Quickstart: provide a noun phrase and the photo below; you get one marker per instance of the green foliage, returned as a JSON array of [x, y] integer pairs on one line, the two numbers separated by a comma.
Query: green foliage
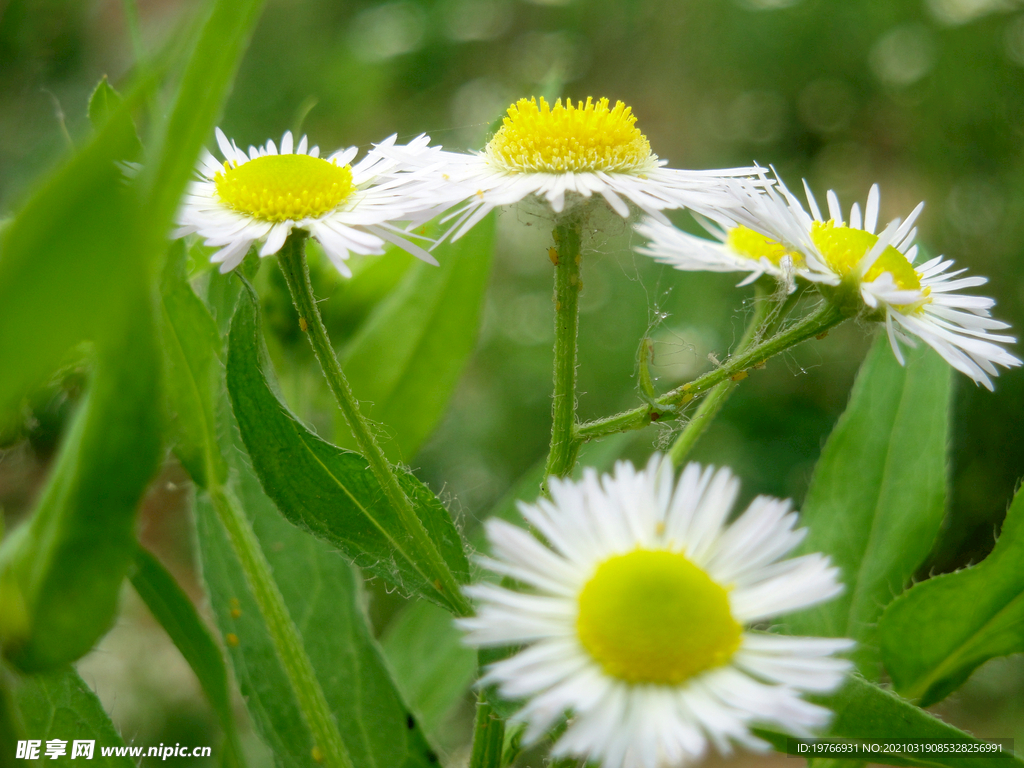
[[61, 573], [69, 263], [863, 710], [406, 358], [432, 667], [327, 490], [60, 705], [193, 373], [938, 632], [877, 496], [321, 592], [176, 614]]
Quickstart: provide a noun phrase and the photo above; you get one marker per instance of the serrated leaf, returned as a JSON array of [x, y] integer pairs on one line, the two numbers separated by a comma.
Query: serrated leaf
[[863, 710], [877, 496], [406, 359], [939, 631], [61, 572], [177, 615], [59, 705], [321, 592], [431, 665], [327, 490]]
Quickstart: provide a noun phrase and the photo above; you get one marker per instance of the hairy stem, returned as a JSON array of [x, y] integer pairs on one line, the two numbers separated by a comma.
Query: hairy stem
[[292, 259], [666, 407], [712, 403], [328, 747], [488, 736], [564, 445]]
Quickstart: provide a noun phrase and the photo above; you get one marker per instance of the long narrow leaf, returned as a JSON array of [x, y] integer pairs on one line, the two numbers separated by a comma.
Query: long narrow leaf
[[406, 359], [321, 592], [878, 493], [172, 608]]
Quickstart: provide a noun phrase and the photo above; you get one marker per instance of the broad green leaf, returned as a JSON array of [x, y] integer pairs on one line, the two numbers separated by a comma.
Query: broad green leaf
[[321, 591], [192, 373], [863, 710], [59, 705], [177, 615], [326, 490], [939, 631], [69, 261], [430, 664], [61, 572], [878, 493], [405, 361]]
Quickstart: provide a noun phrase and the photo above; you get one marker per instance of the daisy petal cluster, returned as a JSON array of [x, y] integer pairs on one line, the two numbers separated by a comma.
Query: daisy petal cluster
[[259, 197], [774, 234], [636, 612], [557, 152]]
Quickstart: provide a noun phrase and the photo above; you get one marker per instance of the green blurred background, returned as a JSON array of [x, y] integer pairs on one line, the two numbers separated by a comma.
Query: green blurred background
[[925, 97]]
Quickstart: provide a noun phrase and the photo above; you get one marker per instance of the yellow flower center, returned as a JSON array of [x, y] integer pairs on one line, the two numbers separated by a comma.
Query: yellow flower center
[[654, 617], [539, 138], [843, 247], [754, 245], [282, 187]]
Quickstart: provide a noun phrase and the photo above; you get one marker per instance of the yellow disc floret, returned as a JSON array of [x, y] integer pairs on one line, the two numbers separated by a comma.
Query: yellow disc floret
[[282, 187], [843, 247], [539, 138], [746, 242], [653, 616]]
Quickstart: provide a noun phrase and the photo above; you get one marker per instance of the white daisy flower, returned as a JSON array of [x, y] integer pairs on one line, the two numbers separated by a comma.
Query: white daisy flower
[[634, 617], [871, 275], [582, 149], [260, 197]]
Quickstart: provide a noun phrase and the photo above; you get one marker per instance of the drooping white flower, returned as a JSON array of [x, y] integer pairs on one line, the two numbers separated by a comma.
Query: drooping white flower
[[260, 197], [635, 617], [584, 149], [775, 234]]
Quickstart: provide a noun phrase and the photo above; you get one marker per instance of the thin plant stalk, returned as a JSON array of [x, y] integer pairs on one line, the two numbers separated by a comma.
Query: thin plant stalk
[[488, 736], [712, 403], [566, 256], [666, 407], [292, 260], [328, 747]]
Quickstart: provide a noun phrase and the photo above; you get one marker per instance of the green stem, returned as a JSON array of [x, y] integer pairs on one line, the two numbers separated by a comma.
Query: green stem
[[564, 445], [712, 403], [328, 747], [292, 260], [488, 736], [666, 407]]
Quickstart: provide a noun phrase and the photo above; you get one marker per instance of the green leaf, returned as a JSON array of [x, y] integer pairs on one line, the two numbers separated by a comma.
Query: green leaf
[[406, 359], [61, 572], [204, 86], [878, 493], [174, 610], [58, 705], [431, 666], [105, 104], [69, 264], [326, 490], [863, 710], [939, 631], [321, 592], [192, 370]]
